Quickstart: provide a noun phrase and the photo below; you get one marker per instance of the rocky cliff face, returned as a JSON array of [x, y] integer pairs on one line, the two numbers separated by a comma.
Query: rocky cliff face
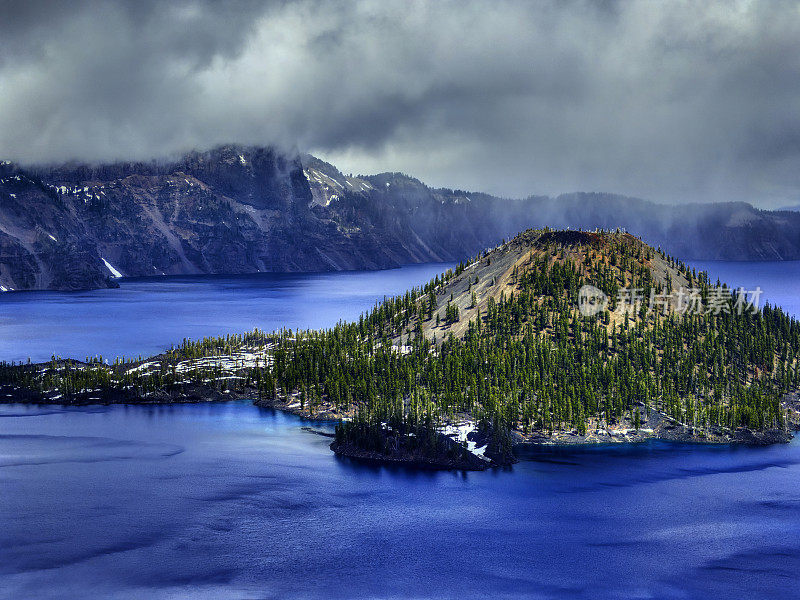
[[245, 210], [231, 210]]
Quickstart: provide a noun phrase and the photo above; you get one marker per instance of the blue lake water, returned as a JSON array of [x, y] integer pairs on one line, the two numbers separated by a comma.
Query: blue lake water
[[147, 316], [779, 281], [231, 501]]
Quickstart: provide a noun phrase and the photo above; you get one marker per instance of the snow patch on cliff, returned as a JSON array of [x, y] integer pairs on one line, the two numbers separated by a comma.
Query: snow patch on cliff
[[114, 272]]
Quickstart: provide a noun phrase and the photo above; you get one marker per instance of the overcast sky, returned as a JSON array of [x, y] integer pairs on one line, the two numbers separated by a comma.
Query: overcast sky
[[673, 101]]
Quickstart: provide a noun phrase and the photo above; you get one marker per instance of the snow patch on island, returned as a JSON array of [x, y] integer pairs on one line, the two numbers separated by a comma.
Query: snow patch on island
[[460, 432], [239, 360]]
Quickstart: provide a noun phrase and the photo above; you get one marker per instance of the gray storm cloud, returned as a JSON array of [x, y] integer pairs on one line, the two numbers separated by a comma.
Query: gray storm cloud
[[672, 101]]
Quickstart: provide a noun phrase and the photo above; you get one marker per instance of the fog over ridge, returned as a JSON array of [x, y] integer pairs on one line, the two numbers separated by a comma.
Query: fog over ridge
[[671, 101]]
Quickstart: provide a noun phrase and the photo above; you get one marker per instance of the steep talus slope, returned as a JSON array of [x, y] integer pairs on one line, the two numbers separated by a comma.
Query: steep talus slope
[[497, 275]]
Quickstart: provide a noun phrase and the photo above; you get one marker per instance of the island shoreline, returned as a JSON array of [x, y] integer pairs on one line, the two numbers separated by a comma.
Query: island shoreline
[[558, 439]]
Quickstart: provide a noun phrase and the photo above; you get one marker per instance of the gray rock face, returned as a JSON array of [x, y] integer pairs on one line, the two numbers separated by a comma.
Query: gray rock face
[[231, 210], [241, 209]]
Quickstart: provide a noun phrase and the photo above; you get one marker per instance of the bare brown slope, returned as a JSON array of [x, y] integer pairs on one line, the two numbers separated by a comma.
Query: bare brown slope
[[497, 272]]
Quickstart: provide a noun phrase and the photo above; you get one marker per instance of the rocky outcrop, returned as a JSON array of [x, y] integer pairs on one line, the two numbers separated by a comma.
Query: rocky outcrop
[[452, 459]]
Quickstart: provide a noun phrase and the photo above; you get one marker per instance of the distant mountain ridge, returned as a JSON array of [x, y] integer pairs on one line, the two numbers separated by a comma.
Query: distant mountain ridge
[[237, 209]]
